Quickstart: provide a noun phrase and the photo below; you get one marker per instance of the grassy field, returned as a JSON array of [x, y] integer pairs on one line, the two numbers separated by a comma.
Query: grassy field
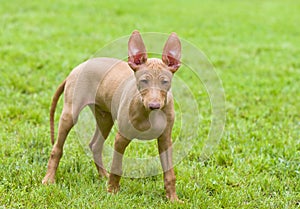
[[254, 46]]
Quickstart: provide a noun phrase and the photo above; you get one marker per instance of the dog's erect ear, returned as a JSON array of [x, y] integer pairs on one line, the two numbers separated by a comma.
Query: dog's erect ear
[[137, 54], [172, 53]]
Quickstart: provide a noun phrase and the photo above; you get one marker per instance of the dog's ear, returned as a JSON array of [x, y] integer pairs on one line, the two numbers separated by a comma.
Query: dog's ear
[[137, 54], [172, 53]]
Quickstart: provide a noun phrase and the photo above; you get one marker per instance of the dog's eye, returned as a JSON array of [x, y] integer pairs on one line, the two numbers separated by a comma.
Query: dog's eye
[[164, 81], [144, 81]]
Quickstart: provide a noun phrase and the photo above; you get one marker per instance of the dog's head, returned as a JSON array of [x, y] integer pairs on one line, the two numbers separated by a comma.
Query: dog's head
[[154, 76]]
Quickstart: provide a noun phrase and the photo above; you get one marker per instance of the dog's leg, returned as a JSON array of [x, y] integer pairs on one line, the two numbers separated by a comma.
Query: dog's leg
[[67, 121], [116, 168], [96, 146], [104, 125], [165, 153]]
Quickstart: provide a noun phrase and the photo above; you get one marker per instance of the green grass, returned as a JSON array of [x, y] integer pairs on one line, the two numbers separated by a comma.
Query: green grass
[[254, 46]]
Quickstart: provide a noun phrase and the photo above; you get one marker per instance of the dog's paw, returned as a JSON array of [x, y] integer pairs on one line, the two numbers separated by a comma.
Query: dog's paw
[[103, 173], [174, 199], [48, 179], [113, 189]]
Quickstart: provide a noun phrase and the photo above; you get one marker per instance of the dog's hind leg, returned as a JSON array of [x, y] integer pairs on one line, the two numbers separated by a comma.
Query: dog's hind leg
[[104, 125], [68, 119]]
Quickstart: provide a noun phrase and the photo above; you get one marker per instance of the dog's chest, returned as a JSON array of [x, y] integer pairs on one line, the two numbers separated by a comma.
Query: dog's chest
[[144, 128]]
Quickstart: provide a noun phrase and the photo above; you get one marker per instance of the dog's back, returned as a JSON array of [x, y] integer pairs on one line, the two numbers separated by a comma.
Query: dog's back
[[96, 82]]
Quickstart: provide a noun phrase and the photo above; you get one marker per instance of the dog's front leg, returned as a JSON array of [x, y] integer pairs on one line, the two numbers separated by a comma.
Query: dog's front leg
[[165, 153], [116, 168]]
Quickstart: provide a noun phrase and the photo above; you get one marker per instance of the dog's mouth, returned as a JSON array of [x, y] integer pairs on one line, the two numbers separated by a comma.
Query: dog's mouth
[[154, 103]]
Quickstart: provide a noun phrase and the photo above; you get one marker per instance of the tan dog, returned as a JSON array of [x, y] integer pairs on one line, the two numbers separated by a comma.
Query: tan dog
[[136, 94]]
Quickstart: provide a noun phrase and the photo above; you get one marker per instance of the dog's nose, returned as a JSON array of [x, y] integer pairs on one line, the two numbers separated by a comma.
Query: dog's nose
[[154, 105]]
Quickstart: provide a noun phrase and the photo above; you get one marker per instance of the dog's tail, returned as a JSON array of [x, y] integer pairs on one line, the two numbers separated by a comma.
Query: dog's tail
[[55, 99]]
